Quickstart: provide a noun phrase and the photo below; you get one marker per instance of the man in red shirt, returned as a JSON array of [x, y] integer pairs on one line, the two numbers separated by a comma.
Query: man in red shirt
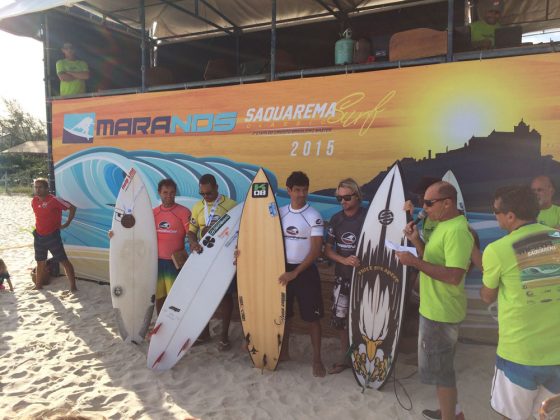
[[48, 222], [172, 225]]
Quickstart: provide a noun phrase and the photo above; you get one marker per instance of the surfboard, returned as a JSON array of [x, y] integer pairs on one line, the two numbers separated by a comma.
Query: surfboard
[[261, 262], [377, 295], [450, 177], [133, 259], [195, 294]]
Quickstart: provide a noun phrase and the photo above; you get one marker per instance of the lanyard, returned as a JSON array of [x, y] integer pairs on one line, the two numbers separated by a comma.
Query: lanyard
[[208, 217]]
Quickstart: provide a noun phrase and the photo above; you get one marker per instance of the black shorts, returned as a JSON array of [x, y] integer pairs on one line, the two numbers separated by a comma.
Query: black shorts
[[307, 289], [51, 242]]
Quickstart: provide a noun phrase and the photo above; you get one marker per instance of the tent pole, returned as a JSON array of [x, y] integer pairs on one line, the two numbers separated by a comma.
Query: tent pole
[[143, 45], [273, 43], [48, 95], [450, 12]]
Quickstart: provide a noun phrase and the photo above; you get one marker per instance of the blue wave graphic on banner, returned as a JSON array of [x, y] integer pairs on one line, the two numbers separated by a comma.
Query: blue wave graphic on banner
[[90, 179]]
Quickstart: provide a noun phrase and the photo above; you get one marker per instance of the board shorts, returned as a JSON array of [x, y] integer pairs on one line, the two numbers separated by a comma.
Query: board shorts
[[436, 351], [307, 289], [167, 273], [341, 300], [51, 242], [518, 390]]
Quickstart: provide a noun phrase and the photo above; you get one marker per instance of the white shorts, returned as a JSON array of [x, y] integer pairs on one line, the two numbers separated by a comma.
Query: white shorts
[[513, 400]]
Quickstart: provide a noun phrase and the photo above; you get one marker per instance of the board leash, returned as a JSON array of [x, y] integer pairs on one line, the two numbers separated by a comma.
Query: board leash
[[395, 381]]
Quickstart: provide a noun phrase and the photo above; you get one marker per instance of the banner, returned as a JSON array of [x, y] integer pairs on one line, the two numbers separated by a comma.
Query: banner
[[492, 122]]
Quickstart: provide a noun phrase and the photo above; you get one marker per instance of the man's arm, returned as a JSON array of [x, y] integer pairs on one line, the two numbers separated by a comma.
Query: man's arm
[[331, 254], [71, 214], [488, 295], [193, 242], [412, 234], [65, 77], [449, 275], [314, 252], [80, 75]]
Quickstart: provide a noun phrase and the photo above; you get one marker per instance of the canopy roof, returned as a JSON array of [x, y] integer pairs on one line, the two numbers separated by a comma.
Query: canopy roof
[[172, 19], [194, 18], [29, 147]]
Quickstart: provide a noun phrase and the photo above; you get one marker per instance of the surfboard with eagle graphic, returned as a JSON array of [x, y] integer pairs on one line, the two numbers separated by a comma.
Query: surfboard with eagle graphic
[[379, 285]]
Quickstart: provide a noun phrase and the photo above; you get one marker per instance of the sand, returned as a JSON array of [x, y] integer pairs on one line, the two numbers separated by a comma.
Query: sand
[[60, 356]]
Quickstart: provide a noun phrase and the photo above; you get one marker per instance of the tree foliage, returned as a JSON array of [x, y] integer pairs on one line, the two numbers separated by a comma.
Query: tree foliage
[[18, 126]]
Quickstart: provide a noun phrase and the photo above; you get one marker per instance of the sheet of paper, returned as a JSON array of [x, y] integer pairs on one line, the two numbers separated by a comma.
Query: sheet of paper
[[394, 246]]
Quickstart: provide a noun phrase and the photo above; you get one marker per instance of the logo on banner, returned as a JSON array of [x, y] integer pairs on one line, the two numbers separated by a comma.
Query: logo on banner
[[260, 190], [78, 128]]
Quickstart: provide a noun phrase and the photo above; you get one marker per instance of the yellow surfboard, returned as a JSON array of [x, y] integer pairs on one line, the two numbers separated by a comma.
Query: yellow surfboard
[[261, 261]]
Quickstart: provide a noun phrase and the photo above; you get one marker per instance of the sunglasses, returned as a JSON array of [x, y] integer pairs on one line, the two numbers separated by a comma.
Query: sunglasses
[[206, 194], [430, 203], [347, 197]]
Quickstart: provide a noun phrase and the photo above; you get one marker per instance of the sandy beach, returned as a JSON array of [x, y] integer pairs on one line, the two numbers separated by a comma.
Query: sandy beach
[[61, 356]]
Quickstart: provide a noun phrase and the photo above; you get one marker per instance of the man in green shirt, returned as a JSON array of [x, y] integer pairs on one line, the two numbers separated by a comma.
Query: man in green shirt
[[549, 214], [522, 271], [72, 72], [442, 263], [483, 31]]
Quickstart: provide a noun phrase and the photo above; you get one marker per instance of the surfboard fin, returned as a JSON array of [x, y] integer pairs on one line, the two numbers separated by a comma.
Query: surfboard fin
[[264, 359], [184, 346], [155, 329], [158, 359]]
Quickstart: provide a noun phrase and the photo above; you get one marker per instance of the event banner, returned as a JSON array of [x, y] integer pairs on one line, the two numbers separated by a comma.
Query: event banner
[[492, 122]]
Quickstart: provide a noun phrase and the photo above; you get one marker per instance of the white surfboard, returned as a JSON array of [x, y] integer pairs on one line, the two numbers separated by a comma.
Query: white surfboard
[[133, 259], [377, 296], [195, 294], [450, 177]]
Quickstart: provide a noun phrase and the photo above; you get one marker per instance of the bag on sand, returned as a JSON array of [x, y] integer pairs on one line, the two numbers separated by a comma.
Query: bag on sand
[[53, 270]]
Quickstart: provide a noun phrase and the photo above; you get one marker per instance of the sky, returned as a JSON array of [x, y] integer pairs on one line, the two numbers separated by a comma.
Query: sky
[[21, 73]]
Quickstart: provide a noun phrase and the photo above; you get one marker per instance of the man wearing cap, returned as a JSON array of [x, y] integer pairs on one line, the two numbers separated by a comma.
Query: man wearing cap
[[483, 31], [72, 72]]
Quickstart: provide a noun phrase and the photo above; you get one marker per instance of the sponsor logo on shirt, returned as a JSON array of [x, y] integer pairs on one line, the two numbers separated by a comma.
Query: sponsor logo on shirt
[[292, 230], [348, 238], [163, 225]]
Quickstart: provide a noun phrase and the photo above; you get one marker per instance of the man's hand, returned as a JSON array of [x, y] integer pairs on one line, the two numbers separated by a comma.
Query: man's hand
[[409, 207], [65, 225], [110, 234], [411, 232], [235, 255], [407, 258], [352, 261], [195, 247], [287, 277]]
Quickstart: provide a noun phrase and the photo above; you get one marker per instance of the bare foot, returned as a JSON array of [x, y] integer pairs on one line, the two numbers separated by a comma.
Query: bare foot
[[319, 370], [338, 367]]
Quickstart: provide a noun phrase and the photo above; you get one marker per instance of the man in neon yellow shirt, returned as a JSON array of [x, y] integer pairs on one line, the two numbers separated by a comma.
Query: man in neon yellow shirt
[[205, 213], [72, 72], [483, 31], [522, 270], [549, 214], [443, 263]]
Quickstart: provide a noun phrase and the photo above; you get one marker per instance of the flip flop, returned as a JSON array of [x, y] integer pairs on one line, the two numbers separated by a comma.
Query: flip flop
[[224, 345], [337, 368]]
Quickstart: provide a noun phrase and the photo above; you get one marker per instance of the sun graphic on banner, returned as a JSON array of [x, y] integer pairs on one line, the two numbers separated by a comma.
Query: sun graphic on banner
[[449, 113]]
